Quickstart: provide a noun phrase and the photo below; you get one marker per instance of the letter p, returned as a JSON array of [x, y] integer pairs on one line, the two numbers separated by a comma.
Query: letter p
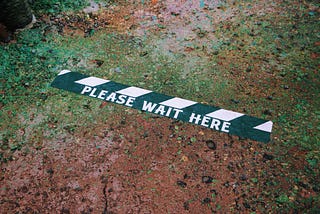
[[86, 89]]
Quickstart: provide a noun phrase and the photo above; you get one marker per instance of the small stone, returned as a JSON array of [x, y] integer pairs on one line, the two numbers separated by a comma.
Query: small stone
[[65, 211], [267, 156], [24, 189], [230, 166], [206, 200], [89, 32], [215, 52], [243, 177], [175, 13], [123, 122], [145, 134], [182, 184], [207, 179], [99, 62], [43, 96], [211, 145], [143, 53], [300, 183], [283, 74], [246, 205], [186, 205], [235, 101], [214, 191], [316, 188], [50, 171], [117, 70], [270, 98], [249, 69], [267, 112]]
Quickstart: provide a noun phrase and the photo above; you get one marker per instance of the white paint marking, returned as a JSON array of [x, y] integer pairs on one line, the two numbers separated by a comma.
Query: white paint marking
[[134, 91], [64, 72], [225, 115], [178, 103], [267, 127], [92, 81]]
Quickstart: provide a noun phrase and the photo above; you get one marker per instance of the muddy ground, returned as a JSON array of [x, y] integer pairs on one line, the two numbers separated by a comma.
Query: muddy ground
[[83, 156]]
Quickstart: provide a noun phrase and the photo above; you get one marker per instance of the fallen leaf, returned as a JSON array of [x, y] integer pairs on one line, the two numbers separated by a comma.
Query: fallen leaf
[[103, 104]]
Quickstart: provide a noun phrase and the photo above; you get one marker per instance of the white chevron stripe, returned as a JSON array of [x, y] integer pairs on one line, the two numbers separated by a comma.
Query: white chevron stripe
[[178, 103], [92, 81], [134, 91], [64, 72], [225, 115], [267, 127]]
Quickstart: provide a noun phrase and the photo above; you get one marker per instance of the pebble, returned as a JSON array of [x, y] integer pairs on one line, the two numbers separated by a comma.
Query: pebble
[[50, 171], [182, 184], [246, 205], [267, 112], [214, 191], [302, 184], [99, 62], [243, 177], [206, 200], [270, 97], [143, 53], [235, 101], [267, 156], [207, 179], [65, 211], [175, 13], [117, 70], [215, 52], [211, 145], [283, 74], [286, 87], [186, 205], [316, 188]]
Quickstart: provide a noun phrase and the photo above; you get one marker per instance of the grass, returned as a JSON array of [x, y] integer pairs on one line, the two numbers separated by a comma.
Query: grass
[[57, 6]]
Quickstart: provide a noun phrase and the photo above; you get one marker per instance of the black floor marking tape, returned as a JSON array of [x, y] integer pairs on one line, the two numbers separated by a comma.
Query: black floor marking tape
[[173, 107]]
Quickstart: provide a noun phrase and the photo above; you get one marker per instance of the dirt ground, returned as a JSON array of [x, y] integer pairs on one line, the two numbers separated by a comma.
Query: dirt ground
[[135, 162]]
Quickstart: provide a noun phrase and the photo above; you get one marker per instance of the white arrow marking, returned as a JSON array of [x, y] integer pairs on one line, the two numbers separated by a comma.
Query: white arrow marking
[[267, 127]]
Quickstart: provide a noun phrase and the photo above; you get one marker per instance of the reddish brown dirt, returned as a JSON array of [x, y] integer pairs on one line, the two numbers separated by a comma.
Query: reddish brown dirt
[[134, 165]]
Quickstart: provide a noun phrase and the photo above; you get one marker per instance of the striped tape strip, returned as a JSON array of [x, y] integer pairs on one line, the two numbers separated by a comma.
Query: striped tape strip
[[174, 107]]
